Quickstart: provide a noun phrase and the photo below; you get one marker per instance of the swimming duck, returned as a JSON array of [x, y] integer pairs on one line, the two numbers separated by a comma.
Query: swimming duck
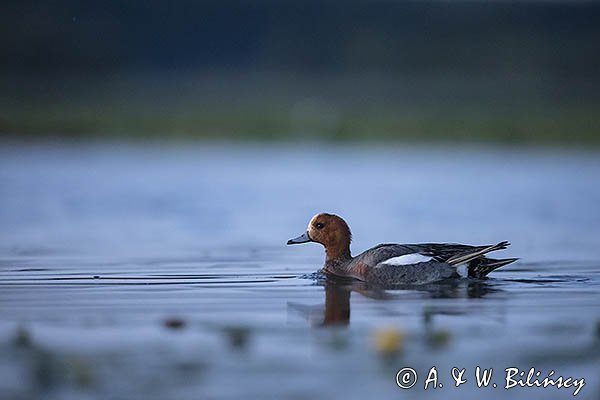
[[397, 264]]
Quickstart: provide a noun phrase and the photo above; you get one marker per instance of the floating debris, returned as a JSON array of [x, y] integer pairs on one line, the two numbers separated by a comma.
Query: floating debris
[[174, 323], [22, 338], [439, 338], [238, 336], [339, 341], [80, 372], [46, 369]]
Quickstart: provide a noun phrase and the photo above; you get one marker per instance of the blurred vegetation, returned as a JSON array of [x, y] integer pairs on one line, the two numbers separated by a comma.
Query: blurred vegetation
[[269, 108], [508, 72]]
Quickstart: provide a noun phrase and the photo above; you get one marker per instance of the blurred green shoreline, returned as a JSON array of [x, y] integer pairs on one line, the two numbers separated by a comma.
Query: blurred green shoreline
[[504, 110]]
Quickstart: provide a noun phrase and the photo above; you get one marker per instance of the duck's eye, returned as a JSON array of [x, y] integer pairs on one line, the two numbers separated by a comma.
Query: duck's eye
[[319, 225]]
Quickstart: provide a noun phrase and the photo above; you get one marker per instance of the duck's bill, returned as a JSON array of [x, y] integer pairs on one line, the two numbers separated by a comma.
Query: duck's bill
[[304, 238]]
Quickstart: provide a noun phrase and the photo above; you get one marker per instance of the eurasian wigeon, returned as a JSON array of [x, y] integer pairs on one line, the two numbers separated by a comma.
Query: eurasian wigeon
[[397, 264]]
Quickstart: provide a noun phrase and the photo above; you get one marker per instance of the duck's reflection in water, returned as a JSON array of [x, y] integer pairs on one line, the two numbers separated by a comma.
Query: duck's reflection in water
[[337, 305], [338, 292]]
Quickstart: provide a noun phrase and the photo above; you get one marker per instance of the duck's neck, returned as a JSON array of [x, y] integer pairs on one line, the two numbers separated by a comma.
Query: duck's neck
[[337, 256]]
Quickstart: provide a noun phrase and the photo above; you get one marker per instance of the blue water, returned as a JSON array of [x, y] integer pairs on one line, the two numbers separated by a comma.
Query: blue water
[[105, 247]]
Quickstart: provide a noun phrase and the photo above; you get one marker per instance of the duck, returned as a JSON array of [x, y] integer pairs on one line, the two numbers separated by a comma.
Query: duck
[[397, 264]]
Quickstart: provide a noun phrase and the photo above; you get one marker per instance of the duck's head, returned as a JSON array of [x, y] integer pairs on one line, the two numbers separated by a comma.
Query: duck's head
[[329, 230]]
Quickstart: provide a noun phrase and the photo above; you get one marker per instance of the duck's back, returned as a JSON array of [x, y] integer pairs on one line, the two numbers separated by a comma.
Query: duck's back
[[383, 252], [434, 251]]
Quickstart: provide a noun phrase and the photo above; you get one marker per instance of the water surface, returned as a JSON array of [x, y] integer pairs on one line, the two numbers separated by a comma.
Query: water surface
[[161, 271]]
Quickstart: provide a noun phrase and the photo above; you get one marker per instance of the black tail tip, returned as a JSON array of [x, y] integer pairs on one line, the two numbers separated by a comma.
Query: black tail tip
[[481, 267], [502, 262]]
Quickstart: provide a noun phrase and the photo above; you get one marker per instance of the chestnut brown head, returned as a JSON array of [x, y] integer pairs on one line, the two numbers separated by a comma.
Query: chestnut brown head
[[329, 230]]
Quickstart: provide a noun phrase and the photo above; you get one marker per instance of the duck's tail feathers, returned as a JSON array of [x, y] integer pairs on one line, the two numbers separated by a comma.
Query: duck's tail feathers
[[471, 255], [480, 267]]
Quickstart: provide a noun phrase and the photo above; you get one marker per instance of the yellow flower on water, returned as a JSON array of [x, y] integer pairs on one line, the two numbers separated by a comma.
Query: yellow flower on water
[[388, 340]]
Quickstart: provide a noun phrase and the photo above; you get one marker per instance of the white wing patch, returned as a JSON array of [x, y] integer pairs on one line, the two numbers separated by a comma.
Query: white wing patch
[[407, 259]]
